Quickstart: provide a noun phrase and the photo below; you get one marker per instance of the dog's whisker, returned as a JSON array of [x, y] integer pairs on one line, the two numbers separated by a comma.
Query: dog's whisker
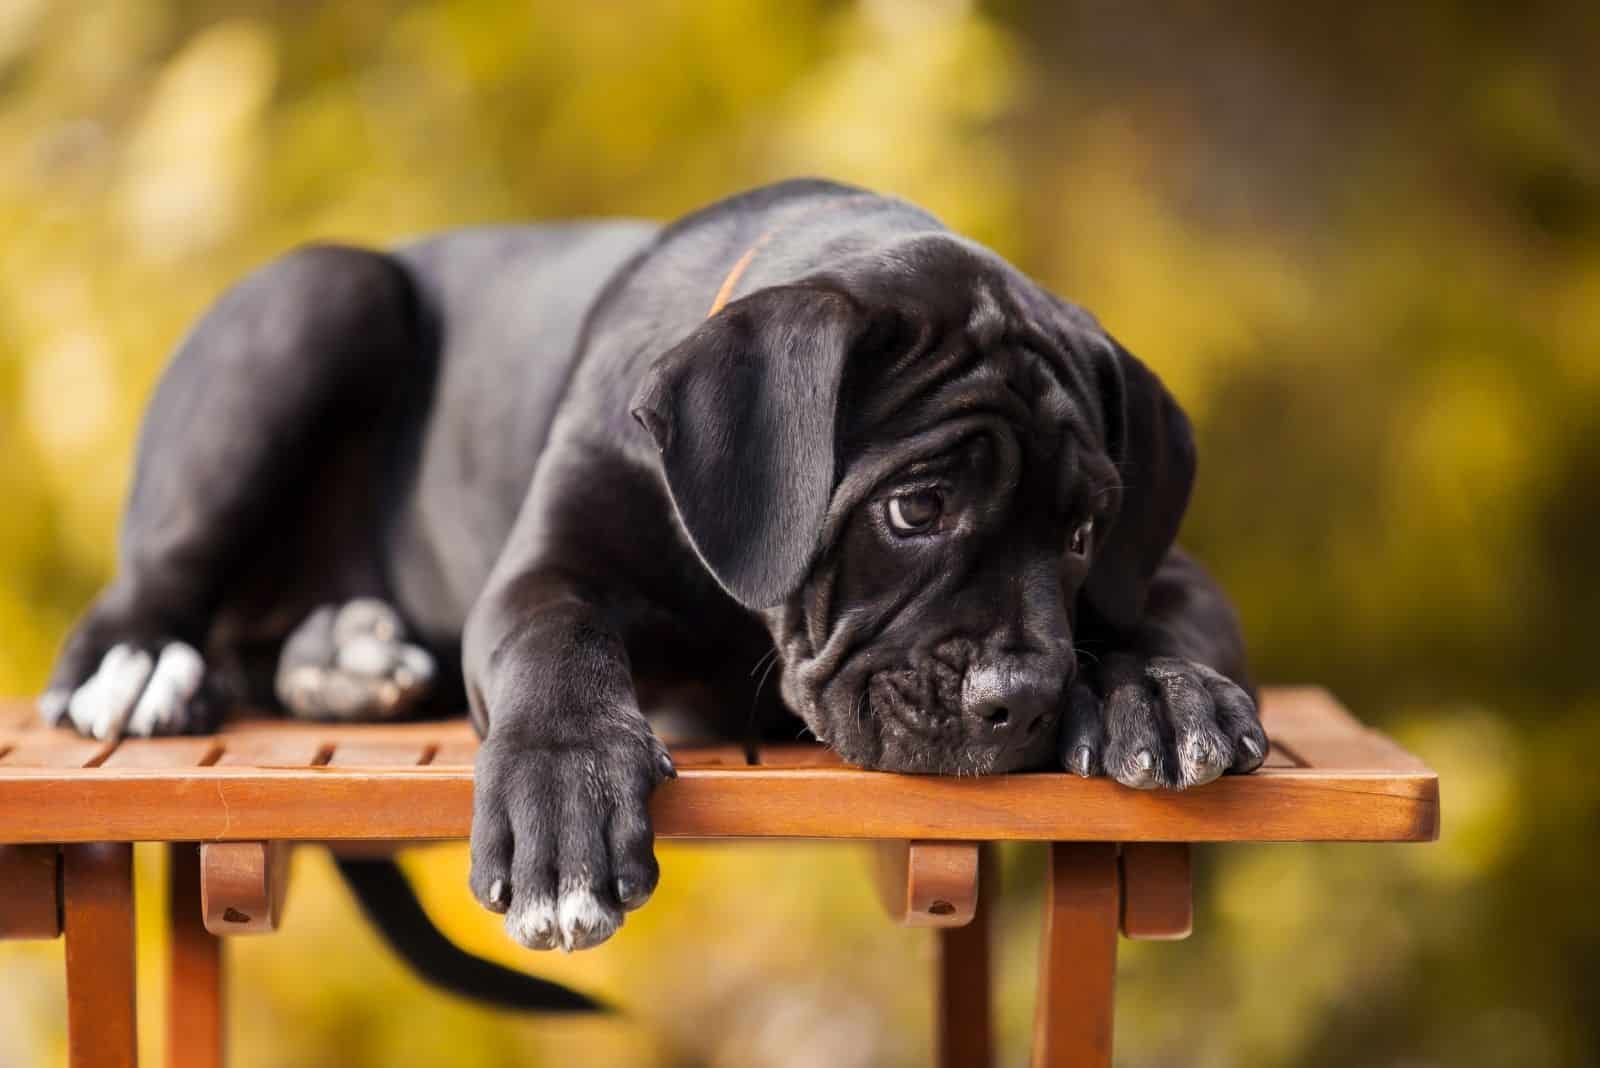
[[766, 658]]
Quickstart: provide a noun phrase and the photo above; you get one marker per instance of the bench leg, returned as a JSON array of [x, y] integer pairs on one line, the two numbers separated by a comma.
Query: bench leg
[[97, 917], [1077, 957], [963, 1002], [195, 1037]]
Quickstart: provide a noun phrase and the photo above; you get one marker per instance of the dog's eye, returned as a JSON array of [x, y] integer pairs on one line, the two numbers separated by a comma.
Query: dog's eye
[[915, 513], [1081, 536]]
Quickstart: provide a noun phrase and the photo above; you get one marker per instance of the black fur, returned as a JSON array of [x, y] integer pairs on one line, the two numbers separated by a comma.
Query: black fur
[[595, 499], [392, 906]]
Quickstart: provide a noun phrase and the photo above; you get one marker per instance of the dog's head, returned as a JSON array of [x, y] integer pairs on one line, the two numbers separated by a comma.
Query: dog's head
[[925, 472]]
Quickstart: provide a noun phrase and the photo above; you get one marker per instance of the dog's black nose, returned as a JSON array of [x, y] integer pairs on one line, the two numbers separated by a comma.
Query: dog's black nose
[[1008, 707]]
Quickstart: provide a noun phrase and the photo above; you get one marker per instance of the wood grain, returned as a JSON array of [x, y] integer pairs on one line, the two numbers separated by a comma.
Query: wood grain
[[1077, 957], [196, 1020], [289, 780], [97, 914]]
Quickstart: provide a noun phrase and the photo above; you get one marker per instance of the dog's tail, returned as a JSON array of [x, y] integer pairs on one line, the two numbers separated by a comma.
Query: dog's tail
[[392, 907]]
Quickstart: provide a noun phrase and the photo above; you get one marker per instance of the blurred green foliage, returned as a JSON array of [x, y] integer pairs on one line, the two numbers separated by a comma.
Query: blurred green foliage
[[1365, 252]]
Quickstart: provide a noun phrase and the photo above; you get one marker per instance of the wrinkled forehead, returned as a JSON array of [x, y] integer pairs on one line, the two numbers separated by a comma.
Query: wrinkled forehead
[[962, 348], [960, 333]]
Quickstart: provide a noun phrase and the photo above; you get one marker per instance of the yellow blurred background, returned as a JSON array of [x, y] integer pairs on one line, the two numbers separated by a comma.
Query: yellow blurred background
[[1364, 252]]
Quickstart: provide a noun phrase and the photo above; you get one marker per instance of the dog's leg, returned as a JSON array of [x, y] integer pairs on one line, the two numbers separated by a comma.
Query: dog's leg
[[561, 836], [316, 344], [351, 662], [1172, 704]]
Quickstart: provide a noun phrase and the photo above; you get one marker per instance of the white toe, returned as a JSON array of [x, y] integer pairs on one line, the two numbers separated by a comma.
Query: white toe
[[416, 668], [534, 924], [366, 616], [85, 701], [89, 701], [583, 920], [122, 676], [366, 655], [163, 708]]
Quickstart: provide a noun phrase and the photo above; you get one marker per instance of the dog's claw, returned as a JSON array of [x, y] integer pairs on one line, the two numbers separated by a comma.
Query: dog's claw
[[1082, 761], [632, 894]]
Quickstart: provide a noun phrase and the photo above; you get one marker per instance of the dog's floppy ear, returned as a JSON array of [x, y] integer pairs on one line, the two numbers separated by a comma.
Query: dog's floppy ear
[[1152, 447], [743, 413]]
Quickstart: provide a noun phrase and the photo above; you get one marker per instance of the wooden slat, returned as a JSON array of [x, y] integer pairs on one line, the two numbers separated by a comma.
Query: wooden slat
[[1313, 727], [799, 755], [453, 753], [382, 753], [163, 753], [708, 756], [228, 803], [59, 748], [17, 715], [1278, 758], [299, 749], [421, 731]]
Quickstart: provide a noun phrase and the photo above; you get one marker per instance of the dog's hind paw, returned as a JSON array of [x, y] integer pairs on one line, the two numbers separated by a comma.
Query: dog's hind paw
[[352, 663], [134, 691]]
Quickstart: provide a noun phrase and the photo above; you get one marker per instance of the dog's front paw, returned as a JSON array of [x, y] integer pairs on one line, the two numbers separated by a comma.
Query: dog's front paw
[[1161, 722], [561, 838]]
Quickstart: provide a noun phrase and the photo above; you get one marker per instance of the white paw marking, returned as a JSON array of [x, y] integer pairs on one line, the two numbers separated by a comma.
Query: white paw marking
[[101, 705], [584, 920], [367, 655], [534, 923], [416, 668], [164, 706], [53, 705], [366, 616]]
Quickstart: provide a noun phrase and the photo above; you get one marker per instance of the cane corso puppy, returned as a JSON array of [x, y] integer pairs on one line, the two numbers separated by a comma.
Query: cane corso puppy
[[572, 473]]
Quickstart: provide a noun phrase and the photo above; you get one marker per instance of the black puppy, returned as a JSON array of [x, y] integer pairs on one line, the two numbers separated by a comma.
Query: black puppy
[[606, 467]]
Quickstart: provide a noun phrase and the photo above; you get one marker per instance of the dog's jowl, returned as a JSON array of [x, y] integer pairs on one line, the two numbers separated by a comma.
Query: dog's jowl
[[573, 475]]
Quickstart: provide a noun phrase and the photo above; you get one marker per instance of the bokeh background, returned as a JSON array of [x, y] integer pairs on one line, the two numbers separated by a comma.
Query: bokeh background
[[1364, 252]]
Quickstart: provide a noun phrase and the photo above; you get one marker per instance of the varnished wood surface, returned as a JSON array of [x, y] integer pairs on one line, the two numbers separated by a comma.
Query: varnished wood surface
[[196, 1013], [1072, 1016], [1328, 778], [965, 983], [97, 907], [243, 886], [928, 884], [30, 891], [1157, 891]]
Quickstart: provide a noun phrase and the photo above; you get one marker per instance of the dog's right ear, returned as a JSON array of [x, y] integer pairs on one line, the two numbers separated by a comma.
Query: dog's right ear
[[743, 411]]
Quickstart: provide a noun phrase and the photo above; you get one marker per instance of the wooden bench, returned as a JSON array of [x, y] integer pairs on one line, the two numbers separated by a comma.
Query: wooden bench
[[230, 804]]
